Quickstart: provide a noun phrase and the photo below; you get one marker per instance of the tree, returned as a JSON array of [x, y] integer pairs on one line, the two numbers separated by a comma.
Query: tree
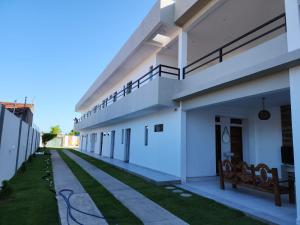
[[55, 130], [47, 137], [74, 133]]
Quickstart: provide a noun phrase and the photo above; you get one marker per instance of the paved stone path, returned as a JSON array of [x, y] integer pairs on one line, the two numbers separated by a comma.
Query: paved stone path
[[64, 179], [146, 210]]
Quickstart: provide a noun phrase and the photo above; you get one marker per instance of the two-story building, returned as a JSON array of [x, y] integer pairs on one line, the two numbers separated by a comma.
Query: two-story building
[[201, 81]]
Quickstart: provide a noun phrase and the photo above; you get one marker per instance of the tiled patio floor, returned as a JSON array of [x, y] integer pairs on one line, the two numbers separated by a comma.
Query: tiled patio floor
[[257, 204]]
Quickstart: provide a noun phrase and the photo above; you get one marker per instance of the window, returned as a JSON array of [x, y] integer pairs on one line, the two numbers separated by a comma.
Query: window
[[146, 135], [159, 128], [122, 137]]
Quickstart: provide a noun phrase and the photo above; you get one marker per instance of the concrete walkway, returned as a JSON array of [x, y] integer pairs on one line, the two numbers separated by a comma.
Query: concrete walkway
[[157, 177], [146, 210], [64, 179]]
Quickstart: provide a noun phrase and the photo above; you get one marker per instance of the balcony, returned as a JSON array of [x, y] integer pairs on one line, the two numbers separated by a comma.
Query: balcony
[[255, 36], [150, 92], [240, 58]]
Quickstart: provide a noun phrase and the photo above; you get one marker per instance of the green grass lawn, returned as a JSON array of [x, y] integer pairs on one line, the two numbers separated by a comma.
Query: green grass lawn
[[31, 202], [113, 211], [194, 210]]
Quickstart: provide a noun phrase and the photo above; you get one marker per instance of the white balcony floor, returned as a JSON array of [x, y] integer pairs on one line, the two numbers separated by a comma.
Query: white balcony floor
[[257, 204]]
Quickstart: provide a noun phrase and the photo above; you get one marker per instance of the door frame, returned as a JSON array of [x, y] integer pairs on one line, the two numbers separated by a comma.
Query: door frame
[[112, 144], [101, 143], [218, 146], [218, 139], [93, 139], [127, 145], [241, 151], [86, 142]]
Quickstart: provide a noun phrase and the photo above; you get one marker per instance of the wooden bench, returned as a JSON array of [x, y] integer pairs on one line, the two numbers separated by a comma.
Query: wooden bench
[[259, 177]]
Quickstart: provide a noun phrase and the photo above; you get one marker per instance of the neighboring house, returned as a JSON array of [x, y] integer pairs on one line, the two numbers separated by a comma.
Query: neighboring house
[[185, 90], [64, 141], [22, 110]]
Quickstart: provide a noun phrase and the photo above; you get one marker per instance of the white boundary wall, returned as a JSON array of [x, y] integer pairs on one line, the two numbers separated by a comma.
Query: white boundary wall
[[17, 142]]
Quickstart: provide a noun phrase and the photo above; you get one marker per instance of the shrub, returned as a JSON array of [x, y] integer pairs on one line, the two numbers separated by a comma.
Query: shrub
[[47, 137], [6, 190]]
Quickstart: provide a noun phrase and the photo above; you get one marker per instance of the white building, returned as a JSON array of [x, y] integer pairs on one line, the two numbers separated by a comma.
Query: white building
[[194, 73]]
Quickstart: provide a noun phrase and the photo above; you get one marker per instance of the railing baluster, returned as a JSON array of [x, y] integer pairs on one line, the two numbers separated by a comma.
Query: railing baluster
[[220, 55], [159, 70]]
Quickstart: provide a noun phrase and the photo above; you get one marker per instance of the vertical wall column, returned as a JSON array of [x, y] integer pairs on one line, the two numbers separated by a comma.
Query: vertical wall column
[[183, 148], [182, 52], [182, 62], [33, 131], [27, 142], [292, 9], [2, 112], [295, 109], [18, 146]]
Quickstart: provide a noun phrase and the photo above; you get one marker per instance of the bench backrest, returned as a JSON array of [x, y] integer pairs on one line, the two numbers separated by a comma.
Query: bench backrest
[[265, 177], [260, 175]]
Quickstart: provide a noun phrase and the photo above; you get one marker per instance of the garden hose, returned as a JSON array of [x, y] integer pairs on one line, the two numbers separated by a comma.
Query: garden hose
[[70, 207], [48, 178]]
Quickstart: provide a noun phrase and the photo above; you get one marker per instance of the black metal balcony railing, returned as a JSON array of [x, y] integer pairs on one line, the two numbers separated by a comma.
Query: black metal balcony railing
[[160, 71], [217, 55]]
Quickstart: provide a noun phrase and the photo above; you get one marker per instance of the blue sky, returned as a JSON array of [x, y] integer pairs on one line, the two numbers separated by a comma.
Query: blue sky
[[52, 50]]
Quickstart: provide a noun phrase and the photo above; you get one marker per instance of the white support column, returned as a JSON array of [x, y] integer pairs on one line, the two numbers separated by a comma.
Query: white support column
[[292, 9], [183, 144], [295, 108], [182, 51]]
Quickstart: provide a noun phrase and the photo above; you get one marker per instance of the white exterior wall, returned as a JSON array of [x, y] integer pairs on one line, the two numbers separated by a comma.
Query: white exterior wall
[[132, 76], [200, 144], [268, 139], [262, 140], [167, 60], [163, 150]]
